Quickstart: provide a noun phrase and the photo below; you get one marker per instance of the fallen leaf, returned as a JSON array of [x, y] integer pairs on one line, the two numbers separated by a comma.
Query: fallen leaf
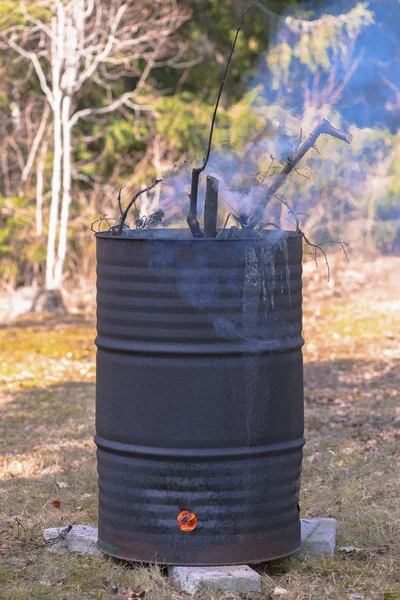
[[356, 597], [56, 504], [4, 547], [278, 591]]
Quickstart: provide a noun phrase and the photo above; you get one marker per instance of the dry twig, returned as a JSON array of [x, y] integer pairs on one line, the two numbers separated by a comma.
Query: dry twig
[[103, 218], [317, 247], [192, 215], [120, 226], [324, 127], [117, 229], [119, 198]]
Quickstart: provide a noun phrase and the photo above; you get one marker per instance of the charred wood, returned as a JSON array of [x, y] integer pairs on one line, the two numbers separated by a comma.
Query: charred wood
[[211, 208], [192, 215]]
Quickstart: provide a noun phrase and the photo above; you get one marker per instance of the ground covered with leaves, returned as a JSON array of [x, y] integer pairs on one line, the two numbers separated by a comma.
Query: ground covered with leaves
[[351, 463]]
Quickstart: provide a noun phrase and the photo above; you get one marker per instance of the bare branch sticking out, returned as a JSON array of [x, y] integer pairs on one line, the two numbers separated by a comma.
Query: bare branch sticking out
[[324, 127], [119, 199], [117, 230], [99, 222], [267, 172], [121, 222], [317, 247], [192, 215]]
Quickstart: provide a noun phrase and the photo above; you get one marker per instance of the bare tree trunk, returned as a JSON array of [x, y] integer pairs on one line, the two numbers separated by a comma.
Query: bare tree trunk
[[39, 190], [57, 56], [66, 198], [55, 194]]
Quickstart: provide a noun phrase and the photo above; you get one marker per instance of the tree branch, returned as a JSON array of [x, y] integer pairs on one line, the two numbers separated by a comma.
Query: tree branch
[[39, 71], [324, 127], [123, 100], [35, 144], [87, 73], [39, 24], [317, 247], [121, 223], [192, 215]]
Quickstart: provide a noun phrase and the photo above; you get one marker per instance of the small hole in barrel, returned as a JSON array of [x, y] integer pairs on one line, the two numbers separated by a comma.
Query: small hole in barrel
[[187, 521]]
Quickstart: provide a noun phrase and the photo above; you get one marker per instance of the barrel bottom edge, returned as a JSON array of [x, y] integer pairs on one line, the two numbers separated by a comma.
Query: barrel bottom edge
[[120, 554]]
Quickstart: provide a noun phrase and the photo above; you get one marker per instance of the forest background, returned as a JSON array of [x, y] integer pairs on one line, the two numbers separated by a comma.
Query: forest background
[[95, 94]]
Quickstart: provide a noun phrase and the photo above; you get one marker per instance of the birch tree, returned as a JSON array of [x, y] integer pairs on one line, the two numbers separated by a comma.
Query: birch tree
[[94, 41]]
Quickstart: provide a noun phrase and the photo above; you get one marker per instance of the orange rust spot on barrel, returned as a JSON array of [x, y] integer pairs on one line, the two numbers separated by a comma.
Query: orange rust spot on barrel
[[187, 521]]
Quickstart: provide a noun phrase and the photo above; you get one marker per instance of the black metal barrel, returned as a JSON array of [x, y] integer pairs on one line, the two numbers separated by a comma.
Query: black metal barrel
[[199, 397]]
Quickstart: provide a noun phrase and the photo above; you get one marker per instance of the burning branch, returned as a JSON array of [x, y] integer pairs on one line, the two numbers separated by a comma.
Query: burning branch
[[324, 127], [192, 215]]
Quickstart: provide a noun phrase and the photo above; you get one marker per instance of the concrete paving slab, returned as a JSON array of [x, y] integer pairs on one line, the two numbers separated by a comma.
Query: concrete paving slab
[[56, 539], [237, 579], [318, 537], [83, 540]]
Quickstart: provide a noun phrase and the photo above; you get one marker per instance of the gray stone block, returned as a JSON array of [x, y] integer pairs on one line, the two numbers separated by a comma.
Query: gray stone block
[[83, 540], [79, 538], [318, 537], [238, 579], [56, 539]]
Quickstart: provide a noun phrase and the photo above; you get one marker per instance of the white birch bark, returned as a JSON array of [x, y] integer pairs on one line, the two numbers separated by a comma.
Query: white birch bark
[[55, 193], [66, 197], [57, 56], [73, 34]]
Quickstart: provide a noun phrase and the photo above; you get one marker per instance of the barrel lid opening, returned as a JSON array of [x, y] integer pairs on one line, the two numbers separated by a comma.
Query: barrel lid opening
[[185, 234]]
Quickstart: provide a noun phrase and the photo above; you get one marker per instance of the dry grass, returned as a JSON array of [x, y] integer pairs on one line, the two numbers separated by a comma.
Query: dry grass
[[352, 377]]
